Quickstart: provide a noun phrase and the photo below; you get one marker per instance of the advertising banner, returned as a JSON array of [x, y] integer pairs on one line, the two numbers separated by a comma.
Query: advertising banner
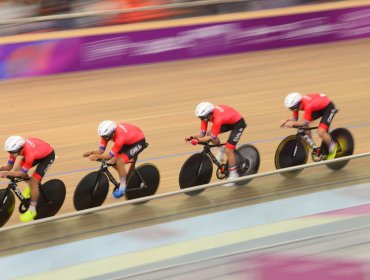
[[174, 43]]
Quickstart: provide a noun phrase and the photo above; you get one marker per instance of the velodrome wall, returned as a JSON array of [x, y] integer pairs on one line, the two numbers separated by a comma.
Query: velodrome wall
[[43, 56]]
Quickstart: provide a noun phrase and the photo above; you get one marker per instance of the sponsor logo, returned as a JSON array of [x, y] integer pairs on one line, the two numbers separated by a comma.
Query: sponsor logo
[[31, 143], [331, 115], [47, 167], [135, 150], [237, 136], [123, 127], [219, 108]]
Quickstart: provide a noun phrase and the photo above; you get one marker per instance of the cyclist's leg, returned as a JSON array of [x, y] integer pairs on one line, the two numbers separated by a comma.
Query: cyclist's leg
[[323, 129], [121, 161], [125, 154], [220, 150], [42, 167], [230, 147], [26, 193]]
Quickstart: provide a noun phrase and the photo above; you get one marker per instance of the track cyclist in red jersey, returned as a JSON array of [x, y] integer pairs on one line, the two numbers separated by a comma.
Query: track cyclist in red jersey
[[314, 105], [128, 141], [33, 152], [223, 119]]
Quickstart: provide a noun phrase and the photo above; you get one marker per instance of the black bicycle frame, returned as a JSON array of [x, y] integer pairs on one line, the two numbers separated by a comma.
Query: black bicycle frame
[[300, 134], [207, 151], [104, 169], [12, 186]]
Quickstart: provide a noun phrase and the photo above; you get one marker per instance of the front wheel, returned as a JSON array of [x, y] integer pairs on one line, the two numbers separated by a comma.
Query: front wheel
[[52, 195], [248, 162], [197, 170], [144, 181], [7, 207], [346, 145], [291, 152], [91, 191]]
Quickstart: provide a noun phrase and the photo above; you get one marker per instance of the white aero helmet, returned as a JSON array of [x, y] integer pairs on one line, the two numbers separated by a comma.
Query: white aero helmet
[[292, 100], [203, 109], [14, 143], [106, 128]]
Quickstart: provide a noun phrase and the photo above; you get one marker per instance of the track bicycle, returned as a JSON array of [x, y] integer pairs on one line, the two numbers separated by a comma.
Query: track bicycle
[[294, 149], [198, 168], [92, 190], [52, 195]]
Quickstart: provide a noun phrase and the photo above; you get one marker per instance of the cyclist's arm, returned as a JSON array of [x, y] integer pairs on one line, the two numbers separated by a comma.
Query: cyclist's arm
[[13, 173], [94, 152], [19, 171], [100, 150], [205, 138], [291, 123], [200, 135], [10, 163], [100, 156], [210, 137], [6, 167]]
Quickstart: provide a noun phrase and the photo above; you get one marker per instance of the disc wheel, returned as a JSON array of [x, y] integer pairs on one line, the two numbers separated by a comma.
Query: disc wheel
[[146, 185], [248, 162], [7, 208], [91, 191], [346, 145], [197, 170], [52, 195], [287, 155]]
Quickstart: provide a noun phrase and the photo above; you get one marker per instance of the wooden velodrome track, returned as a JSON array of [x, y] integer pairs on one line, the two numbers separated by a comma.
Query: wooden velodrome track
[[66, 109]]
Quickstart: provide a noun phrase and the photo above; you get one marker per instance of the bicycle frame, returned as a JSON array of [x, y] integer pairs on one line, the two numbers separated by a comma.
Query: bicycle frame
[[301, 134], [104, 169], [207, 151], [13, 186]]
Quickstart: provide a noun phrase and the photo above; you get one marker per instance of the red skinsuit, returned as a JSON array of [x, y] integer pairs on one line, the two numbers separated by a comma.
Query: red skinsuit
[[126, 134], [222, 114], [33, 149]]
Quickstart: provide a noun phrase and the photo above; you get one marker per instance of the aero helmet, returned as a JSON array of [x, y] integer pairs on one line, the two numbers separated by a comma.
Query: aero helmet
[[106, 128], [14, 144], [204, 109], [292, 100]]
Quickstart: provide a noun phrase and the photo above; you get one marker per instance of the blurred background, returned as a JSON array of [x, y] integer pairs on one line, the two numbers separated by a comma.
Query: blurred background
[[304, 216], [29, 16]]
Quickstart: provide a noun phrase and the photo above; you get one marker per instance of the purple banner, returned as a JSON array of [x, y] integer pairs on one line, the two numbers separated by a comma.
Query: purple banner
[[121, 49]]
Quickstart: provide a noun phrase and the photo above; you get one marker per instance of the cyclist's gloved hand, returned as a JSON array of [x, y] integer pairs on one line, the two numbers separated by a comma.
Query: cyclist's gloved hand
[[194, 141], [188, 138]]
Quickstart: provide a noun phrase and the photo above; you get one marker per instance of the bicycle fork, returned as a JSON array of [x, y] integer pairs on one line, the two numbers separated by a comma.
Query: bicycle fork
[[17, 192]]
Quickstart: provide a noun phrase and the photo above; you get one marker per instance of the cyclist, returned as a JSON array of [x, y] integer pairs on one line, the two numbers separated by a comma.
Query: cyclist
[[223, 119], [128, 140], [314, 105], [33, 151]]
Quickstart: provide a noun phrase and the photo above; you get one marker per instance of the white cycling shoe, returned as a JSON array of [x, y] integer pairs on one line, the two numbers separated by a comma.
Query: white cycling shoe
[[232, 175]]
